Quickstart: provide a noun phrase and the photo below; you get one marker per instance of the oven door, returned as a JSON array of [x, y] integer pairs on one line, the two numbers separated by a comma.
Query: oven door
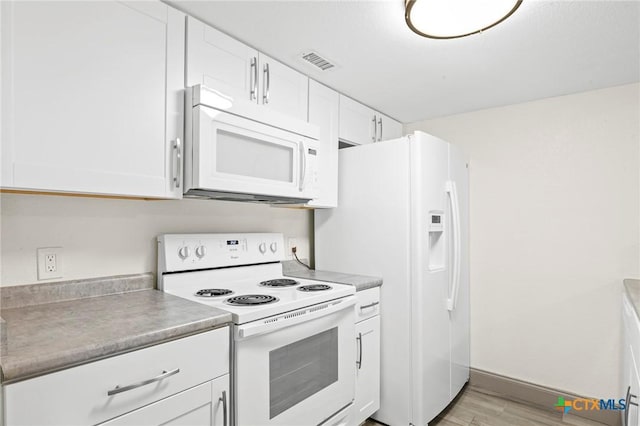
[[233, 154], [301, 371]]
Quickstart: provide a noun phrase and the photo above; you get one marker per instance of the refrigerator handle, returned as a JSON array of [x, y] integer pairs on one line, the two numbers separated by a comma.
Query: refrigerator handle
[[455, 226]]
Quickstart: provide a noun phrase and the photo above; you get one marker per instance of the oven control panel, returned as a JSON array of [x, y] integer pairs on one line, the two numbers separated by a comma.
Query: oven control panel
[[185, 252]]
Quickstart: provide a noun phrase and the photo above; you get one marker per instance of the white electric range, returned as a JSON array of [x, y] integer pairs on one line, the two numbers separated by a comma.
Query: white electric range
[[293, 351]]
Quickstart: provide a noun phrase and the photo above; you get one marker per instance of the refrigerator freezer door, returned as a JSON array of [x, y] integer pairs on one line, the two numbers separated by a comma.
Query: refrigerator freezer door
[[459, 174], [369, 234], [430, 387]]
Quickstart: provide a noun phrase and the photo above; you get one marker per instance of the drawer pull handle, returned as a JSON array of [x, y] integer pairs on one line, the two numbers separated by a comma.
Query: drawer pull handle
[[359, 361], [223, 399], [164, 375], [370, 305]]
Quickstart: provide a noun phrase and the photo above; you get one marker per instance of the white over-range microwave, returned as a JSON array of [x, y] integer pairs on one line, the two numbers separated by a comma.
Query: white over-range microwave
[[231, 157]]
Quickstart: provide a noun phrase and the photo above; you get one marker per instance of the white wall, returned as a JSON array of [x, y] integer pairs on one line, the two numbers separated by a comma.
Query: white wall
[[102, 237], [555, 227]]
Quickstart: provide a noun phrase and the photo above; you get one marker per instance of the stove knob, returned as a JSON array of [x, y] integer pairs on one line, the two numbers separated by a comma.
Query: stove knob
[[273, 247], [263, 248], [201, 251], [183, 252]]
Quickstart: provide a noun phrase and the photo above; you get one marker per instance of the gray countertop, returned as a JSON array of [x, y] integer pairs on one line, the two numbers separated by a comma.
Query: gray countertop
[[632, 288], [52, 336], [360, 282]]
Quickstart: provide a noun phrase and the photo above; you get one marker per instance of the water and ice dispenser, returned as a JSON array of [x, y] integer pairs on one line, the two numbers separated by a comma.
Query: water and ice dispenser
[[436, 240]]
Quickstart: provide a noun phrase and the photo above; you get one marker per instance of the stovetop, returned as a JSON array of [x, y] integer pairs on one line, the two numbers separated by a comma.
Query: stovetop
[[250, 283]]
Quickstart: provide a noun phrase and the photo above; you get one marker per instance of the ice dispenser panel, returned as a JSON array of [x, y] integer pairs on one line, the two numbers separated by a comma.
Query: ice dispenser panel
[[436, 240]]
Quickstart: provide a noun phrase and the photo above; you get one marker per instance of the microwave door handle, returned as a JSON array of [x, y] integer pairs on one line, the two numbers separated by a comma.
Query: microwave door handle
[[177, 146], [303, 167]]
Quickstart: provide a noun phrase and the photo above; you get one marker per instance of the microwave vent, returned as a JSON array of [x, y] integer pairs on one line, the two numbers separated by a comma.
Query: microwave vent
[[317, 61]]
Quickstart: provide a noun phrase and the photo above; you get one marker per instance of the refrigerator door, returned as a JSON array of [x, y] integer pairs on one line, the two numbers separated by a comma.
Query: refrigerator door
[[430, 277], [368, 233], [460, 321]]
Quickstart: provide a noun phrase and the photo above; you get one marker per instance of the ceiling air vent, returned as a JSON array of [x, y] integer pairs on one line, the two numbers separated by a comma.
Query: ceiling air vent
[[317, 61]]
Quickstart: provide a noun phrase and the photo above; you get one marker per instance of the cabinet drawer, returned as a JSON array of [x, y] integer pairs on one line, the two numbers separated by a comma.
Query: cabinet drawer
[[79, 395], [192, 407], [367, 303]]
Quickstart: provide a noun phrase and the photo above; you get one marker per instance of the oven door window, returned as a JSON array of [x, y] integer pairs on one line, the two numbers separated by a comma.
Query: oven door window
[[301, 369]]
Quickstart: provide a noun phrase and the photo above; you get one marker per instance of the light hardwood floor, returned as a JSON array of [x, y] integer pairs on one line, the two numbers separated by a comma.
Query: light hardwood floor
[[475, 408]]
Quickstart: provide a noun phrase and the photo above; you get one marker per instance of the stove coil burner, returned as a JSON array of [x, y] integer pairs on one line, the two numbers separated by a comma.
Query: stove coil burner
[[280, 282], [251, 300], [213, 292], [315, 287]]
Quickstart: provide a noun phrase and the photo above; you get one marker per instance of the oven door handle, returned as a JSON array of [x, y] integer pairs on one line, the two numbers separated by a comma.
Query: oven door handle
[[299, 316]]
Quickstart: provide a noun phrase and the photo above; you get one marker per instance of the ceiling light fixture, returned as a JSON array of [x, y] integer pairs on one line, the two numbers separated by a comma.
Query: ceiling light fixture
[[443, 19]]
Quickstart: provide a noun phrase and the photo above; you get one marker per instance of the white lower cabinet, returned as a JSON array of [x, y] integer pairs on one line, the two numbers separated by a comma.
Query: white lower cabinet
[[630, 353], [221, 401], [183, 381], [367, 399], [203, 405]]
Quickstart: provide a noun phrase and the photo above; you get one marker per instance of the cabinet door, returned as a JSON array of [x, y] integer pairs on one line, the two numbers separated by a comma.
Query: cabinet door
[[92, 97], [283, 89], [221, 401], [357, 122], [194, 407], [388, 128], [367, 399], [221, 63], [323, 112]]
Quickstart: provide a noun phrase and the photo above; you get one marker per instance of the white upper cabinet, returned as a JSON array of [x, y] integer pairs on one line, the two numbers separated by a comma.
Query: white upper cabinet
[[356, 122], [282, 88], [255, 85], [92, 97], [388, 128], [323, 112], [221, 63], [360, 124]]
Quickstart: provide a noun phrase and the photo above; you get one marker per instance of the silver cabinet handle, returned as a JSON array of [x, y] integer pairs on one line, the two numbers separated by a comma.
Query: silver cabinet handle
[[370, 305], [164, 375], [177, 146], [380, 135], [359, 361], [223, 399], [253, 77], [267, 78], [375, 129]]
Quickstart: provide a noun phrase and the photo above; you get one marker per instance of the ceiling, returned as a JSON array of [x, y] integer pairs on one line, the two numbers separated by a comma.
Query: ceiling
[[547, 48]]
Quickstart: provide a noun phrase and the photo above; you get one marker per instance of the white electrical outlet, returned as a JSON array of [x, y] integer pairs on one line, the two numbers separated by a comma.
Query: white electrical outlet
[[49, 263]]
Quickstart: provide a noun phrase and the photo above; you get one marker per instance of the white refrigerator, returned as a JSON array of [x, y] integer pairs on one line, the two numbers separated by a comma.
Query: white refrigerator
[[403, 215]]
